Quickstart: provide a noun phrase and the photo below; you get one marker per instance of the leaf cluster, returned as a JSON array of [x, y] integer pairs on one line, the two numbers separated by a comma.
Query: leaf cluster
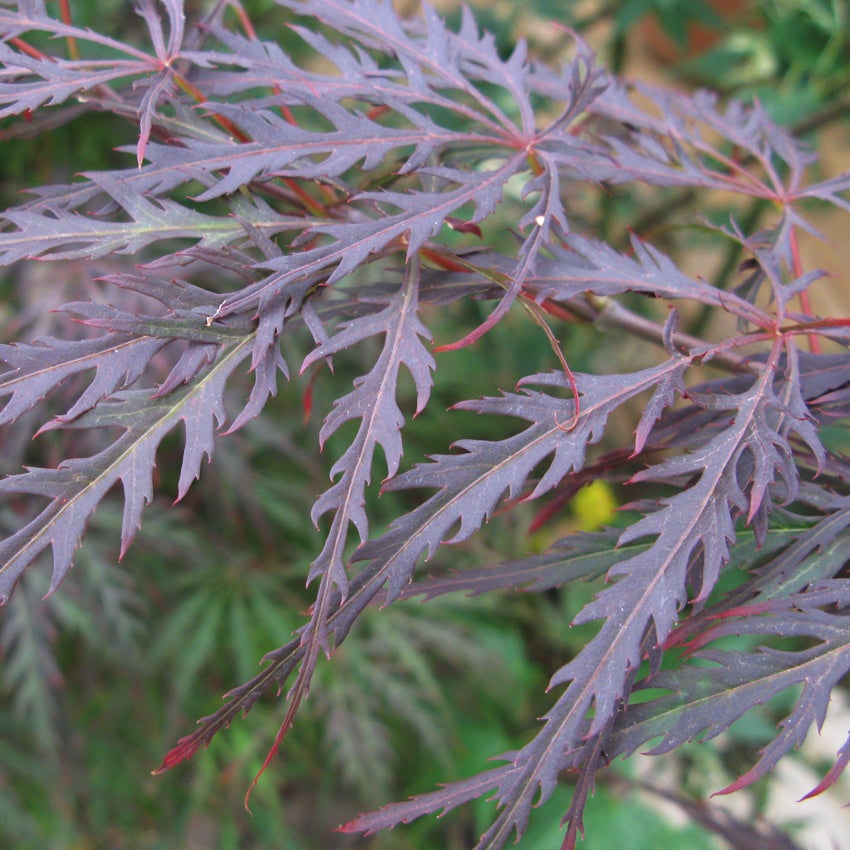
[[283, 216]]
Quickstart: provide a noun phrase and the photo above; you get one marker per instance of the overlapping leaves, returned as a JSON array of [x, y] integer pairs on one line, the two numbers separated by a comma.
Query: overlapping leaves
[[283, 193]]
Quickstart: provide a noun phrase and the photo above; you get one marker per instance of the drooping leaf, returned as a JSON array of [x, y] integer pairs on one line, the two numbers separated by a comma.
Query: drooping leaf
[[704, 701], [373, 402], [77, 485]]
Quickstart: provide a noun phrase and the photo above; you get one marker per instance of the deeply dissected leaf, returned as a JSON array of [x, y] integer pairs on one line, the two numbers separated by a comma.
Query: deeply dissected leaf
[[580, 556], [471, 483], [54, 82], [37, 369], [704, 701], [75, 488], [58, 235], [373, 401], [422, 215], [280, 147]]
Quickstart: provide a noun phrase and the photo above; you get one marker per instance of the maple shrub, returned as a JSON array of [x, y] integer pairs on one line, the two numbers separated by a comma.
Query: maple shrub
[[274, 214]]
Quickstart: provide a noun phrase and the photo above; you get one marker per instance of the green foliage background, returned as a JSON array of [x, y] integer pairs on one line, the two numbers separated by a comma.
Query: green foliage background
[[101, 678]]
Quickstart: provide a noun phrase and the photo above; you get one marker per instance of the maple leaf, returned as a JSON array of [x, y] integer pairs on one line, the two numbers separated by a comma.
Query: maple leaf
[[56, 81], [37, 369], [77, 485], [278, 147], [471, 483], [703, 702], [645, 599], [55, 234], [373, 401]]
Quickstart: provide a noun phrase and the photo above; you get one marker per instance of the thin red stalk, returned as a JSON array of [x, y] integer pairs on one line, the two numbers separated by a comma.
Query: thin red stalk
[[805, 303], [29, 50], [65, 11], [444, 261], [244, 20], [306, 198], [559, 311], [198, 96], [227, 125], [536, 313], [285, 111], [808, 327], [311, 204]]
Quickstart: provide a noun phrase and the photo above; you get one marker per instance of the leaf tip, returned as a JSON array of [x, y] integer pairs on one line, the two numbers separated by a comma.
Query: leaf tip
[[183, 751], [740, 783]]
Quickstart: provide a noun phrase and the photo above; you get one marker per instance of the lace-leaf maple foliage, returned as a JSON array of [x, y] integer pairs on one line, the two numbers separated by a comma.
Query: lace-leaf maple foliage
[[267, 196]]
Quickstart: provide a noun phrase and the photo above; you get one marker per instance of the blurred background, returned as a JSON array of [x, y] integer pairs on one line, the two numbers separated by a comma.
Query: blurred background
[[100, 679]]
